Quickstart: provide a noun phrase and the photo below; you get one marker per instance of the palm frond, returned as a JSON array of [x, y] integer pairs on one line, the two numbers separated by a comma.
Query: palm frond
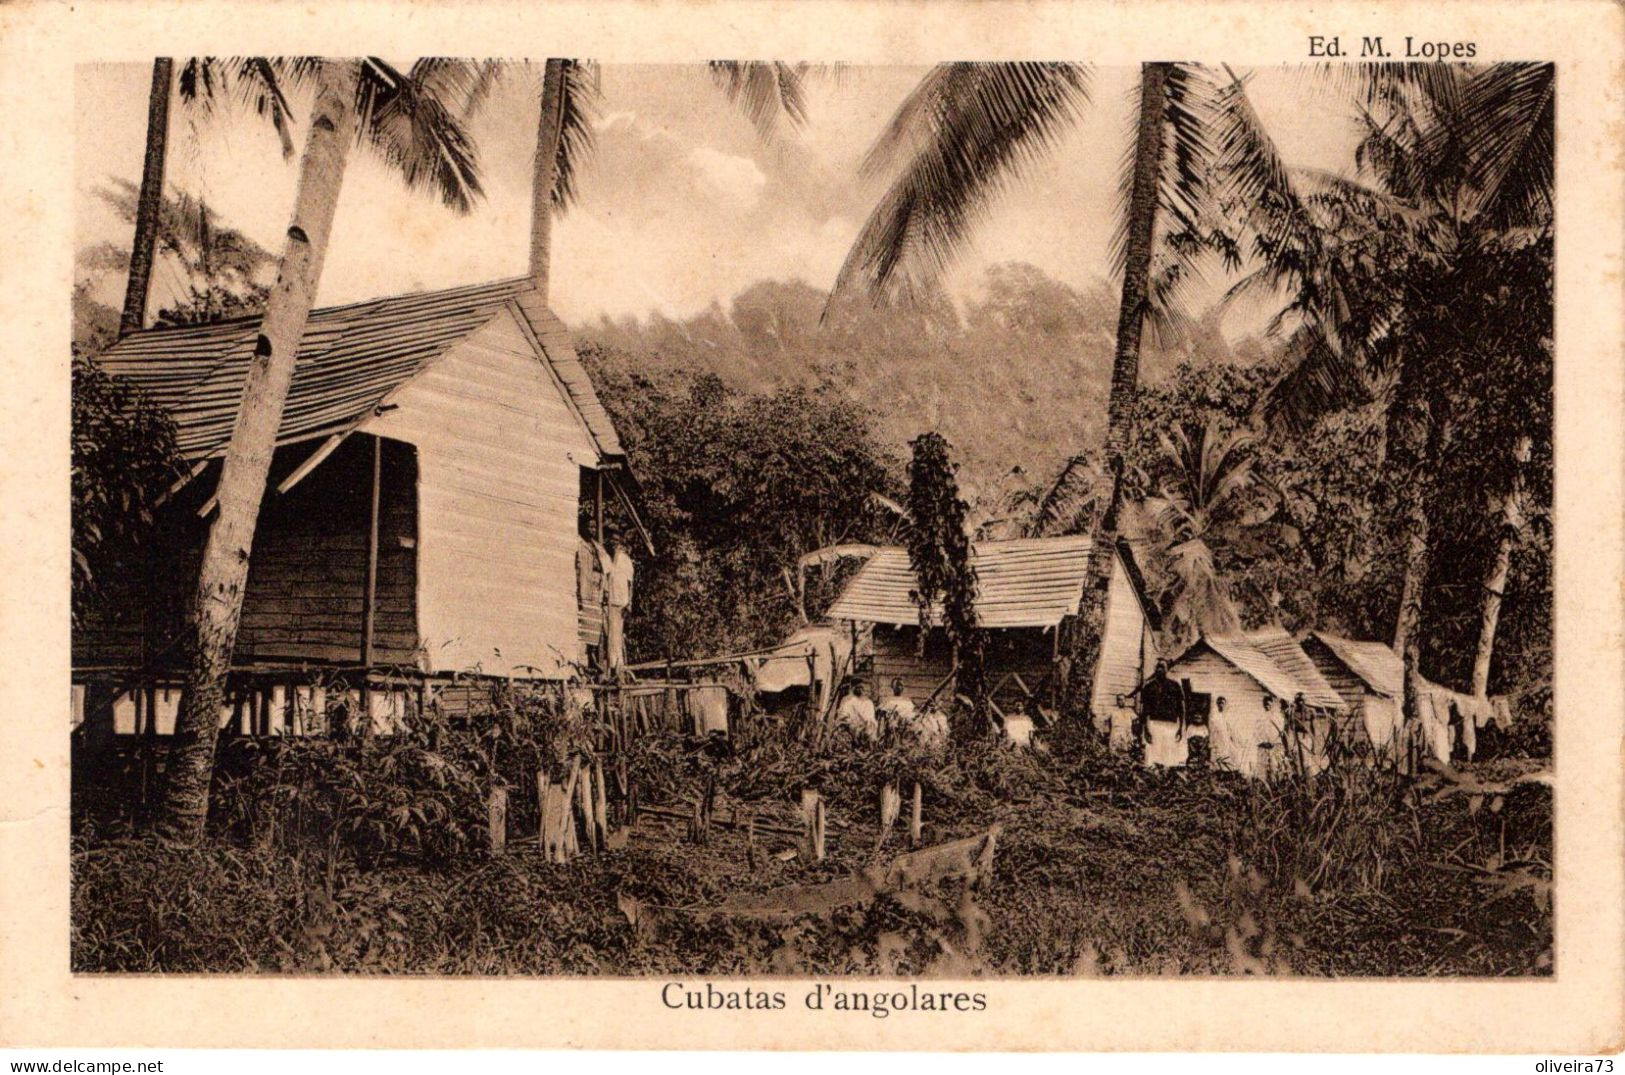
[[580, 90], [1071, 500], [766, 91], [1509, 111], [413, 120], [1319, 379], [962, 137]]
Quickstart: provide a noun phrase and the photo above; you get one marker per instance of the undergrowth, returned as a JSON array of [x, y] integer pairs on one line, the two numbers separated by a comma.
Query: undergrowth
[[370, 857]]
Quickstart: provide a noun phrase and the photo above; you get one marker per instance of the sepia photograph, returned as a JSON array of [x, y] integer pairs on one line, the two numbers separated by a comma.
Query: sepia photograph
[[812, 521]]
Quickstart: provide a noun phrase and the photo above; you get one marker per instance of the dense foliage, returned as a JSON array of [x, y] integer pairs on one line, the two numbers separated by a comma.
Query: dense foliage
[[735, 488], [939, 552], [123, 459]]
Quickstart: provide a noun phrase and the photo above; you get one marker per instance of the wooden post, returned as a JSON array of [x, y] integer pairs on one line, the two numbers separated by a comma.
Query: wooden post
[[750, 843], [891, 803], [818, 832], [541, 812], [369, 604], [598, 505], [914, 827], [496, 819], [600, 810], [809, 822], [584, 805], [696, 823]]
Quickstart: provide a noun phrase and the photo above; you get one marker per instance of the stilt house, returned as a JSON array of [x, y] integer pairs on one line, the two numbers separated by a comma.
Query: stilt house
[[441, 457]]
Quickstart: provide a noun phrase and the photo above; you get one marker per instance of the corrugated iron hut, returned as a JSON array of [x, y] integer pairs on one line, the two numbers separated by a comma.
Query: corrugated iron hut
[[1029, 591], [437, 456], [1256, 674]]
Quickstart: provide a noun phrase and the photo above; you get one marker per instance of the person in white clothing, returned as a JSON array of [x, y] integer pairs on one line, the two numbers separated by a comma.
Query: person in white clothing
[[897, 712], [617, 599], [857, 713]]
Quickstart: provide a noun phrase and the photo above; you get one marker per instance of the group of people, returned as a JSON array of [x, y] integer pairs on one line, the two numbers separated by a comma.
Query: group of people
[[894, 720], [1171, 722], [603, 594]]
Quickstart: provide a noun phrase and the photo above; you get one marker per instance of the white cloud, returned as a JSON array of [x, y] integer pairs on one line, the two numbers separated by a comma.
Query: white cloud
[[738, 178]]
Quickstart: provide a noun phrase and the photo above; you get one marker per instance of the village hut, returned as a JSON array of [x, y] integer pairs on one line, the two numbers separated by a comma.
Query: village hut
[[1028, 596], [437, 456], [1371, 678], [1257, 675]]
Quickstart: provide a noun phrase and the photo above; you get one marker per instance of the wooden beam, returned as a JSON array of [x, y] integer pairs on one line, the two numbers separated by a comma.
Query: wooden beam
[[598, 505], [312, 462], [369, 606]]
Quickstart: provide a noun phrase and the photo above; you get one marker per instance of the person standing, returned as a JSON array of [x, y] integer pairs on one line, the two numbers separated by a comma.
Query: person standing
[[896, 713], [617, 599], [1120, 721], [857, 714], [1162, 702]]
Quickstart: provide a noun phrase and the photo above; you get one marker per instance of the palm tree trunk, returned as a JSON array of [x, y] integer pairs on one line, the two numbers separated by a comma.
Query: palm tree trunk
[[217, 606], [149, 205], [1142, 221], [1413, 433], [1495, 583], [544, 176]]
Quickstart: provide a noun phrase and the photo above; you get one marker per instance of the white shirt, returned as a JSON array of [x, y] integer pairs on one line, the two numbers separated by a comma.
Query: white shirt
[[858, 714], [620, 579], [898, 708]]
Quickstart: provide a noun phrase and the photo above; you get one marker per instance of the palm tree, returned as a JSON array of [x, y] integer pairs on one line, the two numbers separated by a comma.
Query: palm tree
[[408, 119], [1210, 504], [956, 143], [763, 90], [1458, 158], [152, 193], [1510, 509], [404, 122]]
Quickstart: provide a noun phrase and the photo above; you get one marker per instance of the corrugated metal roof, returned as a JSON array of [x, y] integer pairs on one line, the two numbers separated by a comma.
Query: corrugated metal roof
[[349, 359], [1376, 663], [1284, 650], [1030, 582], [1269, 674]]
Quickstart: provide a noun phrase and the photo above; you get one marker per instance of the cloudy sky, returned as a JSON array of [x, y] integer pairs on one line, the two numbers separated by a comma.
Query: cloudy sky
[[682, 203]]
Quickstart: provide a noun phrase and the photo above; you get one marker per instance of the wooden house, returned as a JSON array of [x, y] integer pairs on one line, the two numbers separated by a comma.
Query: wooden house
[[1370, 677], [1028, 595], [1256, 674], [440, 458]]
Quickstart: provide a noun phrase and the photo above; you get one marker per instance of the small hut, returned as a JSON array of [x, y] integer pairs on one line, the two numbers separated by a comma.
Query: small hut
[[1370, 678], [442, 457], [1029, 592], [1256, 674]]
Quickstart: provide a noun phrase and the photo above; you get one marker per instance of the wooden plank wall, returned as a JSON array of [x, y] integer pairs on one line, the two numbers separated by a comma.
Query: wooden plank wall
[[1028, 653], [1128, 650], [499, 458], [308, 577], [895, 657]]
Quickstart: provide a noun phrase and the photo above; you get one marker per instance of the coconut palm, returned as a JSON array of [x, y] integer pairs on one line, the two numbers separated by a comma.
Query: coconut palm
[[957, 143], [764, 91], [409, 118], [1454, 161], [1210, 504], [152, 193]]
